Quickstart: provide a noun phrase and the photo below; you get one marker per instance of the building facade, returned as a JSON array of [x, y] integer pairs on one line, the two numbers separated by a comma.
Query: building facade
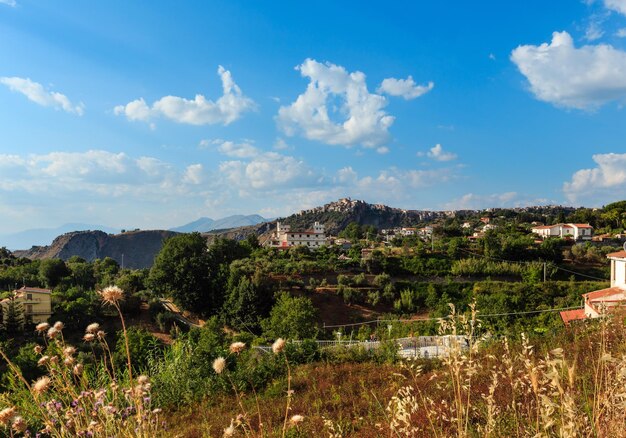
[[571, 231], [285, 237], [604, 300], [35, 302]]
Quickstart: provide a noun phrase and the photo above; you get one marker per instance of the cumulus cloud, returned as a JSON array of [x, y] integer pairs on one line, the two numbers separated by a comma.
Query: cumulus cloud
[[267, 171], [199, 111], [237, 150], [194, 174], [363, 120], [438, 154], [472, 201], [11, 3], [616, 5], [566, 76], [382, 150], [36, 92], [406, 88], [621, 33], [605, 182]]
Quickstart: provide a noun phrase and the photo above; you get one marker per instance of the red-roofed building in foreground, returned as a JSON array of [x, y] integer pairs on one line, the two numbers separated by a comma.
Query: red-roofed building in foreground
[[602, 300]]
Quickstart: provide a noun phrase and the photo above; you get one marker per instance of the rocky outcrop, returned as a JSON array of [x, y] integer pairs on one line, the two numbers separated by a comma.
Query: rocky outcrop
[[133, 249]]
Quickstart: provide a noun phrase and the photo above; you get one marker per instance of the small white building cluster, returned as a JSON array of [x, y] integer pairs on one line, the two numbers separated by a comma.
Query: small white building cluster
[[571, 231], [285, 237], [603, 300]]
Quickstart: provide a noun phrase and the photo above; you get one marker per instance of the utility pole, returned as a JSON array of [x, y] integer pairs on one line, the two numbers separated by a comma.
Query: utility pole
[[544, 272], [432, 240]]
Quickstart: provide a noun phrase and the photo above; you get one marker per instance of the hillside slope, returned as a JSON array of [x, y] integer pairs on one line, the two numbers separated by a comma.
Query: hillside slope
[[135, 249]]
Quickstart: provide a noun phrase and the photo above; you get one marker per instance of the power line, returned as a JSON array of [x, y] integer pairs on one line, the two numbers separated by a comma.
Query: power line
[[486, 315]]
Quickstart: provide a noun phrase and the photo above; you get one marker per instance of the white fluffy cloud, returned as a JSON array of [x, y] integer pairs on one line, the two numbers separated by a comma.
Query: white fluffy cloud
[[237, 150], [35, 92], [604, 183], [199, 111], [438, 154], [267, 171], [406, 88], [566, 76], [11, 3], [472, 201], [363, 120], [616, 5], [96, 172]]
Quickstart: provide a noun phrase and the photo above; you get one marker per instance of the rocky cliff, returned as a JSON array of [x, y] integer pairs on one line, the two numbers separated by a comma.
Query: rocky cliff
[[135, 249]]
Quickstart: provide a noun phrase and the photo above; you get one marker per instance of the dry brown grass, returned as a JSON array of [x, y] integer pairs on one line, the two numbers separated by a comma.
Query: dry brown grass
[[571, 386]]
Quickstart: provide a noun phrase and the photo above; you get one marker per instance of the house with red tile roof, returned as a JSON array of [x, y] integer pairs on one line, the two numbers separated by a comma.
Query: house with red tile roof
[[566, 231], [285, 237], [603, 300]]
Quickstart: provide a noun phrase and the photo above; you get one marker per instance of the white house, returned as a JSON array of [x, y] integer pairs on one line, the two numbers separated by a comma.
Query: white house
[[284, 237], [571, 231], [598, 301], [408, 231]]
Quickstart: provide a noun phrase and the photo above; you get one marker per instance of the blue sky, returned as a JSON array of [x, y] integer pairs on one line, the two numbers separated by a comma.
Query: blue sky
[[129, 115]]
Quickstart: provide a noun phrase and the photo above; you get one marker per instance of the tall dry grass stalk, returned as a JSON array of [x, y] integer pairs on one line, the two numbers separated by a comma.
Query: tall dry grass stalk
[[74, 400], [518, 392]]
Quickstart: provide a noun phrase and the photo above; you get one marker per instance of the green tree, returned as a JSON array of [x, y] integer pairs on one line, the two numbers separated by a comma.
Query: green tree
[[352, 231], [181, 270], [14, 320], [247, 303], [52, 271], [291, 318]]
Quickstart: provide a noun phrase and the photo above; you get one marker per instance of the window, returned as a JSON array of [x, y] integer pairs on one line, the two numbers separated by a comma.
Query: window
[[29, 297], [29, 308]]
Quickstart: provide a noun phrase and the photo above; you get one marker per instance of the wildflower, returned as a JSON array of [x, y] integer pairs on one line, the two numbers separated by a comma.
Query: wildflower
[[296, 419], [278, 345], [43, 360], [6, 415], [230, 430], [157, 411], [58, 325], [93, 327], [42, 327], [112, 294], [54, 360], [38, 349], [78, 369], [219, 364], [89, 337], [142, 380], [41, 385], [69, 351], [53, 332], [19, 425], [101, 334], [69, 361], [237, 347]]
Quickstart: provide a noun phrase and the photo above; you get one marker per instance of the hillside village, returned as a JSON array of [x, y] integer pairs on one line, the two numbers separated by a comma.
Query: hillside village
[[341, 288]]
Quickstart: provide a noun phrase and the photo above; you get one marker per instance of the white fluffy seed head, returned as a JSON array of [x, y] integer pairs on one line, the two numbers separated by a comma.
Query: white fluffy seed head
[[278, 345], [219, 365]]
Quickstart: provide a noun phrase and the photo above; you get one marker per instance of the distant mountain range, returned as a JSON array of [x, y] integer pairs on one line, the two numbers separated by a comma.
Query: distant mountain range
[[138, 248], [44, 236], [205, 224]]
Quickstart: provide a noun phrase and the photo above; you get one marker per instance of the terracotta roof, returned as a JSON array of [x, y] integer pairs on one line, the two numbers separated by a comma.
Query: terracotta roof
[[572, 315], [603, 293], [619, 254], [543, 227], [583, 225], [34, 289]]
